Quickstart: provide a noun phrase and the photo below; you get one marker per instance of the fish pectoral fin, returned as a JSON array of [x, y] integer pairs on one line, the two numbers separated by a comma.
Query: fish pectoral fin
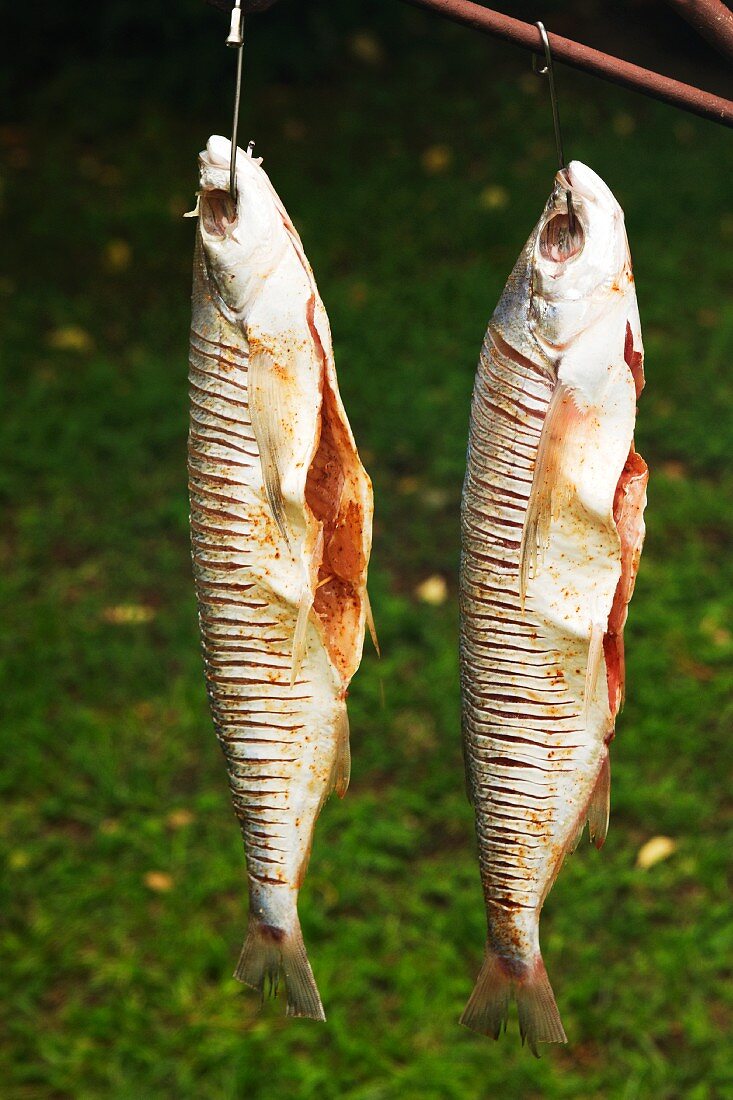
[[576, 837], [548, 483], [593, 668], [266, 416], [370, 623], [600, 804], [300, 635], [342, 761]]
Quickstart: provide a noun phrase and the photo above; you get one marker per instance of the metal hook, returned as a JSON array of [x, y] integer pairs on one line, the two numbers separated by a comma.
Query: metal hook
[[548, 71], [236, 41]]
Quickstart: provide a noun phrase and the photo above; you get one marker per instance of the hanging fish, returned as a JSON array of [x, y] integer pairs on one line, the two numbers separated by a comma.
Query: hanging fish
[[552, 530], [281, 523]]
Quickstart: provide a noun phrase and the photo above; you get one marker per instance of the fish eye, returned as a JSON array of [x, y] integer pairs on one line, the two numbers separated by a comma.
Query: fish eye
[[218, 211], [559, 241]]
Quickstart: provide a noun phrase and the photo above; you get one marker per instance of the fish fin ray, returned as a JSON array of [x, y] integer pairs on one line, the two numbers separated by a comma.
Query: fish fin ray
[[370, 623], [576, 838], [300, 635], [539, 1018], [267, 953], [600, 804], [593, 668], [342, 761], [264, 411], [487, 1010], [547, 484]]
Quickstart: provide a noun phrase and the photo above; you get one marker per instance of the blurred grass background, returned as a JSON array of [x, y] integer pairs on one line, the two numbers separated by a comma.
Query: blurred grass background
[[415, 158]]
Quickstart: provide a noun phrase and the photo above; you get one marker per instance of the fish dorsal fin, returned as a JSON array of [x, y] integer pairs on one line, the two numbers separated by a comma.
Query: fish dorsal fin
[[265, 413]]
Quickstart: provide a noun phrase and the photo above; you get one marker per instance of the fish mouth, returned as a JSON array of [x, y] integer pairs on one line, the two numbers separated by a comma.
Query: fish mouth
[[562, 236], [218, 212]]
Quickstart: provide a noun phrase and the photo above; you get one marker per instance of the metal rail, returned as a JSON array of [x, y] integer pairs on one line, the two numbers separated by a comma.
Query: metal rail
[[711, 18], [614, 69]]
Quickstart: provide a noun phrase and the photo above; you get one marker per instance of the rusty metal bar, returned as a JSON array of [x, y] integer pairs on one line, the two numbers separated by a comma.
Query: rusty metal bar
[[712, 19], [247, 5], [614, 69]]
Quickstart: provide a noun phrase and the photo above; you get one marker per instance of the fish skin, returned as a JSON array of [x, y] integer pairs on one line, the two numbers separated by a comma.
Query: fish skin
[[552, 528], [281, 515]]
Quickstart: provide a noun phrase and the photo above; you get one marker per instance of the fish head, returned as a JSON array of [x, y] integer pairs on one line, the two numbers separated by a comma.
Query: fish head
[[243, 236], [581, 256]]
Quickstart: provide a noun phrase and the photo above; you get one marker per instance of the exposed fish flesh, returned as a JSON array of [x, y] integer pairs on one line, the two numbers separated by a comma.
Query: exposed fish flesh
[[552, 529], [281, 519]]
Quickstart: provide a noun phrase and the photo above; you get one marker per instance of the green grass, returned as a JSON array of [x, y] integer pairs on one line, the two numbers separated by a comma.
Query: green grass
[[112, 989]]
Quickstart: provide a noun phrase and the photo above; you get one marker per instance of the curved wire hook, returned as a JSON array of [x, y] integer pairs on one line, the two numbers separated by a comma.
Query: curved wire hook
[[236, 41], [548, 71]]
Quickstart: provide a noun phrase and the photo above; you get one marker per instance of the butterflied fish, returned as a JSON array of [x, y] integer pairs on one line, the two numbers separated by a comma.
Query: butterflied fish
[[281, 521], [552, 529]]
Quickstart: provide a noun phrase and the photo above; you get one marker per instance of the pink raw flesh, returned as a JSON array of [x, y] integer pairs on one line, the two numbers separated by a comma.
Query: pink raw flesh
[[628, 513], [634, 360]]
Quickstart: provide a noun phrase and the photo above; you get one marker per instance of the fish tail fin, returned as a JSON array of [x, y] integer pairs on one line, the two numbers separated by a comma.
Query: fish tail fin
[[487, 1010], [269, 952], [539, 1019], [488, 1007]]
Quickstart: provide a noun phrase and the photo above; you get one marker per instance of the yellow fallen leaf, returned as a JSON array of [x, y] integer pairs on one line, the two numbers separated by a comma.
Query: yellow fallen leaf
[[128, 614], [367, 48], [117, 255], [18, 860], [494, 198], [358, 293], [177, 819], [684, 132], [109, 176], [435, 498], [674, 471], [654, 851], [70, 338], [529, 84], [711, 627], [436, 159], [408, 484], [434, 590], [294, 129], [158, 881], [623, 124]]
